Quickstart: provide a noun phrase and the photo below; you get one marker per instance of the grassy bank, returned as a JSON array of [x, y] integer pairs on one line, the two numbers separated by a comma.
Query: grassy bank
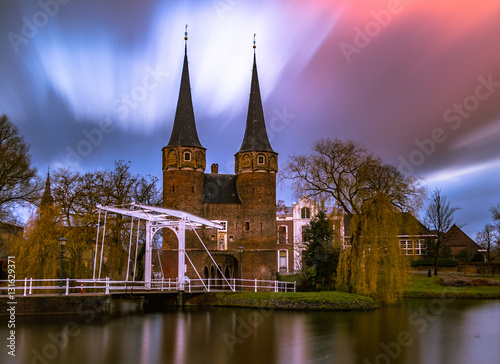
[[427, 287], [334, 301]]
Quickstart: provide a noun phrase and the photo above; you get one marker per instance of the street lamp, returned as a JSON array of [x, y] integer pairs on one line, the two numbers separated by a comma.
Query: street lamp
[[62, 243], [240, 252]]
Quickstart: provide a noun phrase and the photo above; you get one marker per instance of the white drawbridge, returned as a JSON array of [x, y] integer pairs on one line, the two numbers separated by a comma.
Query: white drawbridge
[[156, 218]]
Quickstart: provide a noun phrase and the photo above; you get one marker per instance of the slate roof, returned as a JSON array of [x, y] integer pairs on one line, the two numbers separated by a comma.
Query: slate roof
[[184, 130], [408, 224], [220, 188], [255, 138], [456, 237]]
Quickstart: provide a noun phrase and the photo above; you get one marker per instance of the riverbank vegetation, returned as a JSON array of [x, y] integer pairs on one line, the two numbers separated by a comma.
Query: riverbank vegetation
[[438, 287], [334, 301]]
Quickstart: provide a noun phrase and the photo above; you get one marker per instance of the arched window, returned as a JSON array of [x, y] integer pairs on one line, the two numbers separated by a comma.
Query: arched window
[[282, 234], [227, 273], [205, 274], [305, 213]]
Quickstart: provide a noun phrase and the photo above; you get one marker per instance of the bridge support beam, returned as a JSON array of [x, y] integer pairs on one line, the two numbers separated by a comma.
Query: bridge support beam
[[181, 269], [148, 256]]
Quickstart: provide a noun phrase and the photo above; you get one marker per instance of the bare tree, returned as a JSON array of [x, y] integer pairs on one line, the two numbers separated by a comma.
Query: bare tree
[[495, 211], [348, 175], [280, 207], [488, 238], [439, 218], [18, 182]]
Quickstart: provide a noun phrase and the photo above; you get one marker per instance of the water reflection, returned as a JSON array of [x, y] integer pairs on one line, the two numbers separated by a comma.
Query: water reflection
[[417, 331]]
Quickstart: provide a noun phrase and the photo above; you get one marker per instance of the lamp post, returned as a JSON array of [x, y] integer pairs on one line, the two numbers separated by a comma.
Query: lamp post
[[240, 252], [62, 243]]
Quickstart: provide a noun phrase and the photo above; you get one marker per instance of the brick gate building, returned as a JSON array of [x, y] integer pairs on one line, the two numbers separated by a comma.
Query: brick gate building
[[244, 202]]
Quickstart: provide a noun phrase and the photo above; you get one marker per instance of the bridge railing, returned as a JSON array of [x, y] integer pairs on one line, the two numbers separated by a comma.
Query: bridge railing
[[28, 286], [236, 285]]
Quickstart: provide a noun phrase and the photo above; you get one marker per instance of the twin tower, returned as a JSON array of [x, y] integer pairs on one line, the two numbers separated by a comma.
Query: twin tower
[[244, 202]]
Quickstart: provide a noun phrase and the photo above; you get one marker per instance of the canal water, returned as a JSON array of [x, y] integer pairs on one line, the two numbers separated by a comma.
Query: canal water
[[415, 331]]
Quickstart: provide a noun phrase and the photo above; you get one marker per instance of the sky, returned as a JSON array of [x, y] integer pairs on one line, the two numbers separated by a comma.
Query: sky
[[416, 81]]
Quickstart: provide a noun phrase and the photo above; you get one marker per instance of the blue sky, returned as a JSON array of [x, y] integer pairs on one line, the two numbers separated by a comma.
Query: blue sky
[[418, 82]]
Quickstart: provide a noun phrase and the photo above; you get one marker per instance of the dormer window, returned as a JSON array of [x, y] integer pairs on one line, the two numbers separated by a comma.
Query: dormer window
[[261, 159], [187, 156], [305, 213]]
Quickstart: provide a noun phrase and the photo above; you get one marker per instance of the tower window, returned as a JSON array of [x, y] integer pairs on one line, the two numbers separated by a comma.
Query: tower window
[[247, 225], [261, 159], [224, 225], [187, 156], [173, 188]]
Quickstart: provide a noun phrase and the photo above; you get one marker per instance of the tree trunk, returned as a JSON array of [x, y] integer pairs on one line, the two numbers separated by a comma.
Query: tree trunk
[[436, 262]]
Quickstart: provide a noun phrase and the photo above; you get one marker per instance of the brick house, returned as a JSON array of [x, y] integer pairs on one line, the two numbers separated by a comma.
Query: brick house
[[458, 240], [244, 202]]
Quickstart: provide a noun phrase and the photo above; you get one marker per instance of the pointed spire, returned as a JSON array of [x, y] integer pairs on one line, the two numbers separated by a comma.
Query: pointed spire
[[47, 199], [184, 131], [255, 138]]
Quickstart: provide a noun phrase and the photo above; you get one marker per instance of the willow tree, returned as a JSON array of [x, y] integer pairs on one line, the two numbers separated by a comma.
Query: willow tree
[[374, 197], [37, 250]]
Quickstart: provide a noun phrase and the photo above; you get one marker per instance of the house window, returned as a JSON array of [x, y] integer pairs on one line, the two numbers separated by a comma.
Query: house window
[[420, 247], [305, 230], [187, 156], [282, 234], [410, 247], [261, 159], [282, 262], [247, 225], [305, 213]]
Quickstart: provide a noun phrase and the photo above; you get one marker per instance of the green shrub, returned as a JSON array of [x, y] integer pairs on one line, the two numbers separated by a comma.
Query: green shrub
[[464, 255], [478, 257], [442, 262]]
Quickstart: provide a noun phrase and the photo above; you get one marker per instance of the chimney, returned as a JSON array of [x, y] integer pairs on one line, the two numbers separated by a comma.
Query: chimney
[[215, 168]]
